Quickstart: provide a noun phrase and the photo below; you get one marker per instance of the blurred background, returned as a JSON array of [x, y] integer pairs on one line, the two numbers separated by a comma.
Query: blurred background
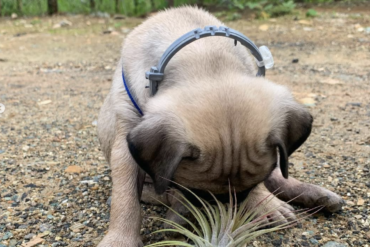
[[262, 8]]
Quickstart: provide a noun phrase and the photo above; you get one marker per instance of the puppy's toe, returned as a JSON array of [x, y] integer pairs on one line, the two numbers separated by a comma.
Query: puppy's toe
[[288, 213], [276, 219], [331, 203], [277, 213]]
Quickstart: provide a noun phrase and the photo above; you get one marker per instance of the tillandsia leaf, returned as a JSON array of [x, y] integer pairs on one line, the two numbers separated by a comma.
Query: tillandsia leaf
[[257, 233], [198, 231], [227, 225], [197, 213], [249, 214], [215, 216], [170, 243], [222, 218], [198, 240]]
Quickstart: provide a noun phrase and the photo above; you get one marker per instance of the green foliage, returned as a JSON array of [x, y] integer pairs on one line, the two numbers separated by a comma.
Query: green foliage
[[74, 7], [272, 8], [233, 16], [29, 7], [318, 1], [263, 8], [311, 13], [279, 9]]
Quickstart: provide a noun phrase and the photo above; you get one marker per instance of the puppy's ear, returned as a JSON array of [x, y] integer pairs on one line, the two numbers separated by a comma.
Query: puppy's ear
[[294, 132], [157, 147], [299, 126]]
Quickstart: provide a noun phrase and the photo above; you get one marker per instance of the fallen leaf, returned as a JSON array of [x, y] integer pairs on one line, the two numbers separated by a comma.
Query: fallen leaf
[[264, 27], [360, 202], [56, 26], [308, 101], [312, 95], [35, 241], [76, 227], [331, 81], [305, 22], [45, 102], [357, 26], [94, 188], [73, 169]]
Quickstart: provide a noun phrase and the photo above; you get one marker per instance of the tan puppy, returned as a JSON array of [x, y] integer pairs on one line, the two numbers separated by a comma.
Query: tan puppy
[[212, 121]]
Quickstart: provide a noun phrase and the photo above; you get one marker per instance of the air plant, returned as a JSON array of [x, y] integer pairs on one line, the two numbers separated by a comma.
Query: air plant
[[225, 225]]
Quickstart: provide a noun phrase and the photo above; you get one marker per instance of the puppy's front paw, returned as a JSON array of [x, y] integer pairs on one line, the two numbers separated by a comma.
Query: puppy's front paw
[[329, 200], [275, 212], [271, 210], [117, 240]]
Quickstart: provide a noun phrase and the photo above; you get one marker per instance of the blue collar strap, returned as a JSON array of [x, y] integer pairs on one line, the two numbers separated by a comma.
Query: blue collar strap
[[130, 95], [262, 55]]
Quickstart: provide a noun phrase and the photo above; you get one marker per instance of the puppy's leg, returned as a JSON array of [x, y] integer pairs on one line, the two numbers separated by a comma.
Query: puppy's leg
[[125, 217], [273, 211], [308, 195]]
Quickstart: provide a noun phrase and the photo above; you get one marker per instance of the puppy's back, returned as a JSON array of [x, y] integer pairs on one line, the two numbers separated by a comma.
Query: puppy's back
[[145, 45]]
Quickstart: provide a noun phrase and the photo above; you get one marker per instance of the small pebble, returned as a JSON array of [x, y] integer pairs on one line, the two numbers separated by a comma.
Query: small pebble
[[45, 227], [358, 104], [12, 243], [109, 201], [314, 241], [334, 244], [7, 235], [29, 236]]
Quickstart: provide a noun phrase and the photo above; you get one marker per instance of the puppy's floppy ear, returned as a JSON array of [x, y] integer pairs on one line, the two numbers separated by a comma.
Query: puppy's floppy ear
[[294, 132], [157, 146], [299, 126]]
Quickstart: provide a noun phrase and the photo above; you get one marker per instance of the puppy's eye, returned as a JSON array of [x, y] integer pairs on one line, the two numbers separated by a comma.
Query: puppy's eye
[[192, 153]]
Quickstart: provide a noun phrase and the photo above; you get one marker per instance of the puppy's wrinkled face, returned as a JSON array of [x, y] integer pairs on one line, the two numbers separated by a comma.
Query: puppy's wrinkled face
[[205, 135]]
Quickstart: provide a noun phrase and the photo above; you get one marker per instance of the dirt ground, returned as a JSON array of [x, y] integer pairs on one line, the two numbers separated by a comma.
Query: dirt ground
[[54, 181]]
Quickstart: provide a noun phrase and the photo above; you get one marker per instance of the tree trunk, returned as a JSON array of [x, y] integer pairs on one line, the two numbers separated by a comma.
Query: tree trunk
[[135, 6], [117, 6], [40, 7], [170, 3], [152, 4], [19, 6], [92, 5], [52, 7]]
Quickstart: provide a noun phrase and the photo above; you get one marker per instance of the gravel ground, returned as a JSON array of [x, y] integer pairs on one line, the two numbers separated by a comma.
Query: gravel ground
[[55, 183]]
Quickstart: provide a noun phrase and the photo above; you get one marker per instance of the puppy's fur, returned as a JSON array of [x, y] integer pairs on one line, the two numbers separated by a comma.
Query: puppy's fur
[[211, 122]]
